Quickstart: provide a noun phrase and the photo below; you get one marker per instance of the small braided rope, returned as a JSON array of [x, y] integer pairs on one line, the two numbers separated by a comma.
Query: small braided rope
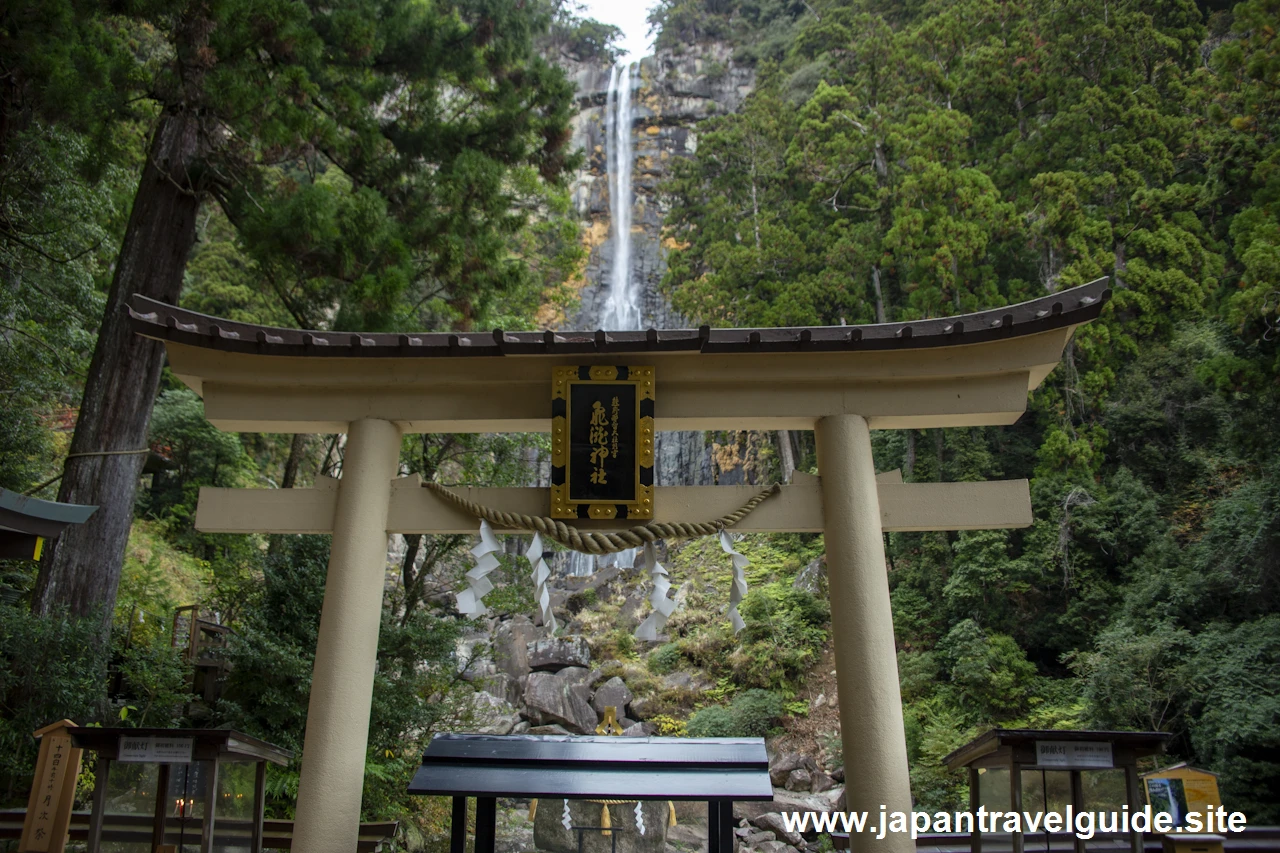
[[602, 543]]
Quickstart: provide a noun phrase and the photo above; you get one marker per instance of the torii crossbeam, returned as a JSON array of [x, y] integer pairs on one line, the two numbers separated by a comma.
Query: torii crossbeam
[[842, 382]]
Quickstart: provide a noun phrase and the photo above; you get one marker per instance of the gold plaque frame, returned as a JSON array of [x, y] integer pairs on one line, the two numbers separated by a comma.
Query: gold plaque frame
[[563, 380]]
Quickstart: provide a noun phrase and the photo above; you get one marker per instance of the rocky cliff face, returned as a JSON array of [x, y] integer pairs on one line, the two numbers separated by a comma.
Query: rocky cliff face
[[672, 94]]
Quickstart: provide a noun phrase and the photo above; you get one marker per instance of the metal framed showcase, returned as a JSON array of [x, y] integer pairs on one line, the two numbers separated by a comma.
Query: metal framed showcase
[[186, 790], [1036, 770]]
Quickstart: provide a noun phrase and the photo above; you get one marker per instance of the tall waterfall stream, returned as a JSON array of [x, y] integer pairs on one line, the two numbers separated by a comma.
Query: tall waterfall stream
[[622, 308]]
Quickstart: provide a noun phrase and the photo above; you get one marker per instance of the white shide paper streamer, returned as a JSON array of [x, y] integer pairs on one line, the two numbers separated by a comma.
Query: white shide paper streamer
[[739, 589], [567, 819], [640, 817], [663, 607], [540, 574], [471, 599]]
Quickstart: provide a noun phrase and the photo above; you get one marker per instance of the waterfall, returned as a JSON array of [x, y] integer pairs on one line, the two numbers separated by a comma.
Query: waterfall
[[622, 310]]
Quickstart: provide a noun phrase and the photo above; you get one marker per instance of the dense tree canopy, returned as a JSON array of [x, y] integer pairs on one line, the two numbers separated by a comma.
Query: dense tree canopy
[[389, 164], [899, 161], [378, 161]]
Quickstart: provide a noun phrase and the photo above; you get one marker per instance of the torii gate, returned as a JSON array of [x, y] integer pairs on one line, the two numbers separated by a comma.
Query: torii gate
[[841, 381]]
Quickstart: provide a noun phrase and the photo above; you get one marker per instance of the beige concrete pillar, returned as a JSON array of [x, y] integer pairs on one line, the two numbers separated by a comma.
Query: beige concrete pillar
[[328, 814], [871, 730]]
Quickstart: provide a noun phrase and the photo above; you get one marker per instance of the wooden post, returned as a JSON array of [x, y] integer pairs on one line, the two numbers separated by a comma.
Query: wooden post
[[259, 804], [713, 826], [1077, 799], [53, 790], [100, 777], [162, 807], [1131, 790], [1015, 801], [975, 800], [210, 808]]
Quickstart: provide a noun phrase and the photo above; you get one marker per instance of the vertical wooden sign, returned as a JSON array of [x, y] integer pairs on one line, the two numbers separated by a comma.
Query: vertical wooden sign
[[53, 791]]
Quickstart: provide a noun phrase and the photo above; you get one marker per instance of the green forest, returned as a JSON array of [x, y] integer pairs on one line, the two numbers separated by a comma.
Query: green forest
[[406, 165]]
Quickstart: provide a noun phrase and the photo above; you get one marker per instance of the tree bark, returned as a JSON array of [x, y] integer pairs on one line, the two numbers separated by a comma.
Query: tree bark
[[81, 572], [291, 465], [785, 456], [909, 463], [875, 283]]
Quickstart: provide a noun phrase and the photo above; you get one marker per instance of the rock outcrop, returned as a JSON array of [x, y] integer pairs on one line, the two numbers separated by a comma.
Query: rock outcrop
[[552, 654], [561, 698]]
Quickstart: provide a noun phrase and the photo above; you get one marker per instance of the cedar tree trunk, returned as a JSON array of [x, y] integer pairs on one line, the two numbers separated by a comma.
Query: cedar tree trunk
[[81, 572]]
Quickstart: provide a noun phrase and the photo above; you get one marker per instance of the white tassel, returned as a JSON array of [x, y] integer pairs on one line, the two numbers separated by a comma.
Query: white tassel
[[663, 607], [540, 574], [739, 588], [640, 817], [471, 599]]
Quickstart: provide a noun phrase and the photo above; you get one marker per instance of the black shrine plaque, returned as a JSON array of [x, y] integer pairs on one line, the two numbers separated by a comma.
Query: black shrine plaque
[[602, 442]]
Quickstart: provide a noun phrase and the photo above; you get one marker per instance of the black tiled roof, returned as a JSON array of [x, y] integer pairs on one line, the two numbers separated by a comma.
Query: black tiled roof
[[1058, 310]]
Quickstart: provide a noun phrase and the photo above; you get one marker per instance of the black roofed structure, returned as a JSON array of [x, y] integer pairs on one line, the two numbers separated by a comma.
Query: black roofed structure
[[717, 770], [26, 523], [840, 381]]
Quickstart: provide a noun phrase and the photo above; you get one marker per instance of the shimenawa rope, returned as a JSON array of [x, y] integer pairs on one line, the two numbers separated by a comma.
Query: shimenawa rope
[[602, 543]]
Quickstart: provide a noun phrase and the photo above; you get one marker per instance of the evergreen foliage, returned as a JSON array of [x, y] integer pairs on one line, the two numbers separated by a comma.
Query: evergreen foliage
[[909, 160]]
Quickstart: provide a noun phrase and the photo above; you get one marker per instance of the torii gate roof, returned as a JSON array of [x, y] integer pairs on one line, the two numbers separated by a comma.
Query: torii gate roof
[[967, 370]]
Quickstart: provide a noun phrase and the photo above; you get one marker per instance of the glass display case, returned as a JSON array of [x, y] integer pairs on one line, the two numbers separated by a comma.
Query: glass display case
[[1063, 773], [177, 790]]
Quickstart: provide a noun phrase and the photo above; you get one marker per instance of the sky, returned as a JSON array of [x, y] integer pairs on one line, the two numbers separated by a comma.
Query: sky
[[629, 16]]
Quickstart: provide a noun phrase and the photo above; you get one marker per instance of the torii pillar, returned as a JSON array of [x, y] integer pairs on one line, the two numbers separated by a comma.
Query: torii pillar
[[866, 653], [840, 381]]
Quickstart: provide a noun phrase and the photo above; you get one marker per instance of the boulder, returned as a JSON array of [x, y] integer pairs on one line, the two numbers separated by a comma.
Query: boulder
[[757, 838], [772, 821], [553, 699], [819, 782], [787, 801], [551, 654], [613, 692], [576, 675], [838, 774], [493, 716], [685, 681], [644, 707], [550, 835], [772, 847], [799, 780], [813, 577], [502, 686], [782, 765], [548, 730], [511, 647], [640, 730]]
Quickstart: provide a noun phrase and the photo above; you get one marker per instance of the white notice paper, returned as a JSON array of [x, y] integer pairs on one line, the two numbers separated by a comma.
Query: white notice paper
[[1073, 754]]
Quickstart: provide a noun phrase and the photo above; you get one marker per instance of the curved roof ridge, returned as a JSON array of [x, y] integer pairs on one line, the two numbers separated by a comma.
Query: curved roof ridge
[[153, 319]]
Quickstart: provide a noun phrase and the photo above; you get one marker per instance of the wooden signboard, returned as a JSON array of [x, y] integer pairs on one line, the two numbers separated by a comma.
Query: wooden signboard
[[602, 442], [53, 792]]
